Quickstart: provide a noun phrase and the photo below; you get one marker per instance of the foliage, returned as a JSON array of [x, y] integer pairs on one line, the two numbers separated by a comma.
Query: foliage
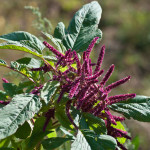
[[42, 24], [61, 94]]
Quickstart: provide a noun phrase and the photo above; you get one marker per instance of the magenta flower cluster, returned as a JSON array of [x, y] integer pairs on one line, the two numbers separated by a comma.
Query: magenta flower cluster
[[83, 87]]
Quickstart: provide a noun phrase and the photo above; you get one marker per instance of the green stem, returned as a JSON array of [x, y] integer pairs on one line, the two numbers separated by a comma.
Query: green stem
[[19, 72]]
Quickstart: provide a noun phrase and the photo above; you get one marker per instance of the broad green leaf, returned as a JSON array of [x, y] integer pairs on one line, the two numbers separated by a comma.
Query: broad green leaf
[[96, 123], [11, 89], [57, 42], [50, 58], [53, 134], [30, 62], [66, 132], [25, 39], [2, 63], [22, 68], [80, 142], [107, 142], [137, 108], [49, 90], [18, 46], [101, 142], [21, 108], [60, 114], [83, 123], [121, 127], [52, 143], [25, 84], [82, 28], [88, 140], [37, 134], [59, 31], [23, 131]]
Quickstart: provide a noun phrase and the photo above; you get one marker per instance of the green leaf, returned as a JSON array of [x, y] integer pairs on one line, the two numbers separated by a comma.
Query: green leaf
[[11, 89], [82, 28], [57, 42], [2, 63], [24, 131], [20, 68], [137, 108], [21, 108], [30, 62], [50, 58], [59, 31], [60, 114], [52, 143], [20, 47], [25, 84], [37, 134], [49, 90], [80, 142], [67, 133], [25, 39], [88, 140], [107, 142], [97, 124]]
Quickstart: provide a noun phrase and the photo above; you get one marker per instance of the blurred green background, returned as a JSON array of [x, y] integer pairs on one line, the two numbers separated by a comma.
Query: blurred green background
[[126, 34]]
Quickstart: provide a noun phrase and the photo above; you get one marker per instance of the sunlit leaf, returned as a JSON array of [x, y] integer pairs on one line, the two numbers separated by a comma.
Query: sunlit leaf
[[137, 108], [24, 39], [21, 108], [82, 28], [52, 143]]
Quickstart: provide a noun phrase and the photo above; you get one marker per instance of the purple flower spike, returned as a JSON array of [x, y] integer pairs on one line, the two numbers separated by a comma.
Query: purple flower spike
[[88, 97], [74, 88], [118, 98], [36, 90], [108, 74], [67, 53], [82, 93], [68, 105], [51, 48], [4, 103], [45, 68], [84, 55], [78, 62], [100, 59], [87, 67], [48, 115], [60, 96], [121, 146], [59, 61], [110, 117], [95, 75], [89, 49], [4, 80], [117, 83], [81, 85], [117, 118], [90, 67]]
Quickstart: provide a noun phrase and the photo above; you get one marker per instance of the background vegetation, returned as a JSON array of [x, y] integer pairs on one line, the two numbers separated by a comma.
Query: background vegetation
[[126, 34]]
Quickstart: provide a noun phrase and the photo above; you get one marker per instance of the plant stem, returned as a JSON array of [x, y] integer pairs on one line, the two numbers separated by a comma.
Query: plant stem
[[19, 72]]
